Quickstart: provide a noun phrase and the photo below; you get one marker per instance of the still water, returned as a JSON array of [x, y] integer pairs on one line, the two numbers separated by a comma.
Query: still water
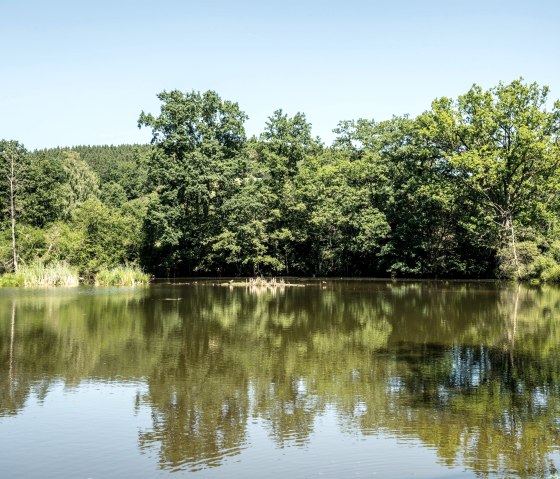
[[331, 379]]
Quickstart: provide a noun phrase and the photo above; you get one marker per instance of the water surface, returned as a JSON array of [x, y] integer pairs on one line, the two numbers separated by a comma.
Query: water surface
[[334, 379]]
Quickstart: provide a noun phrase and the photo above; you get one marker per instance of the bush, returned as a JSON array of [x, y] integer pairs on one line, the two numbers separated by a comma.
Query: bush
[[30, 245], [108, 237], [528, 254], [551, 275], [12, 280]]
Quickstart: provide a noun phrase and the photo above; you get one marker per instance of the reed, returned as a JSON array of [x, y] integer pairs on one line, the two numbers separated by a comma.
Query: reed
[[39, 274], [122, 276]]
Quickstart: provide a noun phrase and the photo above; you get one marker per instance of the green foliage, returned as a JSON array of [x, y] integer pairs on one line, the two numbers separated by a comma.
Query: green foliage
[[338, 198], [246, 240], [13, 163], [82, 183], [198, 139], [121, 164], [551, 274], [97, 236], [12, 150], [108, 237], [470, 188], [12, 280], [45, 191], [113, 194], [53, 186], [527, 264], [285, 142], [502, 145], [62, 241], [31, 245], [428, 212]]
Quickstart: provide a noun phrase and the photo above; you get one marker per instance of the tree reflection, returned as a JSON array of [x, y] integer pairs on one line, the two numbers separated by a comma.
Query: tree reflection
[[469, 369]]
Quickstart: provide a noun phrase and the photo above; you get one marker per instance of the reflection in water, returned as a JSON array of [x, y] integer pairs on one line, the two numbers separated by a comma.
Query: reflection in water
[[12, 334], [471, 370]]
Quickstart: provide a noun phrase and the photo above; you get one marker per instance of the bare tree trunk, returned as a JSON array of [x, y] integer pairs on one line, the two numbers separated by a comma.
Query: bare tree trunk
[[11, 179], [509, 231], [514, 247]]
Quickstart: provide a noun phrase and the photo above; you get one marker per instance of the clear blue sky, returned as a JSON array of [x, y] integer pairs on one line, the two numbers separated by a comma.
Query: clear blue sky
[[80, 72]]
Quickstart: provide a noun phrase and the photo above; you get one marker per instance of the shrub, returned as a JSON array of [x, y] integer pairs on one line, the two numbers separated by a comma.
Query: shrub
[[551, 275], [12, 280]]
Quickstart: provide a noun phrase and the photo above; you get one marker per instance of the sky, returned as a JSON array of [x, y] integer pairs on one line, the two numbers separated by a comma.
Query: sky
[[80, 72]]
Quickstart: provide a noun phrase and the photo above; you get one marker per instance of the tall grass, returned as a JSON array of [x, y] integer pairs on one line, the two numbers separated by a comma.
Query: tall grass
[[122, 276], [41, 275]]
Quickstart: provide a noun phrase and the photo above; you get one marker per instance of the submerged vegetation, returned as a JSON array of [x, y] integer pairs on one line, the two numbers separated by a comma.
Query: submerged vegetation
[[470, 188]]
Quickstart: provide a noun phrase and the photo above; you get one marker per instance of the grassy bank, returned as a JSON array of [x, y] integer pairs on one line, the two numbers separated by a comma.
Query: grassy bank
[[122, 276], [41, 275]]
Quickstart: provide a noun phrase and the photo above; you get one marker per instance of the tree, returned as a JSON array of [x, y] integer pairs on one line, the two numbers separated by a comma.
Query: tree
[[106, 237], [502, 144], [113, 194], [345, 228], [424, 207], [282, 148], [44, 190], [287, 141], [82, 183], [246, 240], [198, 139], [12, 165]]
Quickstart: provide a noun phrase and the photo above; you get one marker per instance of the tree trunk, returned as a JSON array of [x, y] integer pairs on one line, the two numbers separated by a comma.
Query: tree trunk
[[509, 237], [11, 179]]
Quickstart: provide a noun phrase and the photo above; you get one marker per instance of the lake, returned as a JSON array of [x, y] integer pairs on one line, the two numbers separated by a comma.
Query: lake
[[328, 379]]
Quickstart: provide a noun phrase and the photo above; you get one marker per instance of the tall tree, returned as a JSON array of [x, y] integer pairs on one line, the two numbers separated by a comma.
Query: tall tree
[[287, 141], [424, 207], [198, 139], [12, 165], [44, 190], [344, 227], [502, 144], [82, 183], [284, 146]]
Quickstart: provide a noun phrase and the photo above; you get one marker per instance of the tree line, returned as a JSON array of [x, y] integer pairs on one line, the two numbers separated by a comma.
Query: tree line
[[469, 188]]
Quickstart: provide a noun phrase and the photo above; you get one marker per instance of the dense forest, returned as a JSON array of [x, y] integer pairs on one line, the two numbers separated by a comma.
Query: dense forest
[[470, 188]]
